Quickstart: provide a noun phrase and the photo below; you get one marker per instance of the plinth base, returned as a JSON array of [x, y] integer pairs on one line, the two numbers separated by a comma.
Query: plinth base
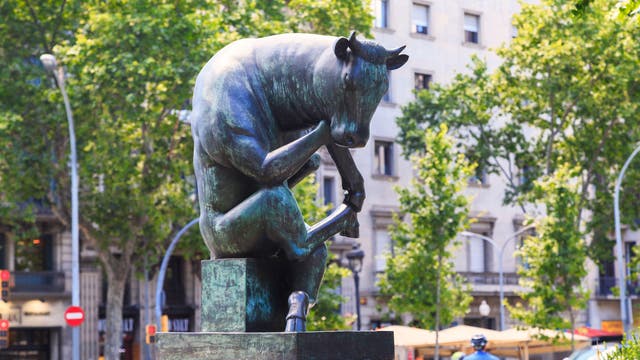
[[321, 345]]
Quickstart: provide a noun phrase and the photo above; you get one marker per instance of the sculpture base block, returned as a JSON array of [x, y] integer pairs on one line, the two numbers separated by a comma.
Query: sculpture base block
[[353, 345], [244, 295]]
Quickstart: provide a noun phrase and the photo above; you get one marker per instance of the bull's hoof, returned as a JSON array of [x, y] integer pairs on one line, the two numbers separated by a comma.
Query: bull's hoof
[[297, 316]]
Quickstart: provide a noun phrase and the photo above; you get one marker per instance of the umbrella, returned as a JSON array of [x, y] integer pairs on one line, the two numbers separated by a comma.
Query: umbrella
[[461, 335], [524, 342], [596, 333], [410, 336]]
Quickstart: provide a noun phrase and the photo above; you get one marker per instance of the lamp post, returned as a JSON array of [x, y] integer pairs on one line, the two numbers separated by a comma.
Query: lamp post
[[500, 268], [484, 310], [163, 270], [625, 304], [50, 64], [354, 258]]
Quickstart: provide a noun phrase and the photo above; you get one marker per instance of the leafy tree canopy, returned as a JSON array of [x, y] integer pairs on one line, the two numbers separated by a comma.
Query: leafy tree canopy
[[420, 278], [130, 68]]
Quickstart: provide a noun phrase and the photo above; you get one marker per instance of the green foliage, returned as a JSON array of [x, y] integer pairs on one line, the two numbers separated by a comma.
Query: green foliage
[[131, 64], [325, 315], [420, 278], [555, 258], [629, 349], [565, 93]]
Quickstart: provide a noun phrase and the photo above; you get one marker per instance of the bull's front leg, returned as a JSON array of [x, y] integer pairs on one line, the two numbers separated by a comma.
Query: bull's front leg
[[352, 183], [251, 155]]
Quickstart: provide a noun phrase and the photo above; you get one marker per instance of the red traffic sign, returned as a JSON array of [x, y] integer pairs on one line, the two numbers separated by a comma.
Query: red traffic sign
[[4, 325], [74, 316]]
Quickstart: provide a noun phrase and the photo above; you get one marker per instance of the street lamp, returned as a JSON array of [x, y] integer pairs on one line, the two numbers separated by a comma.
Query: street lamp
[[500, 269], [625, 304], [163, 270], [484, 310], [354, 258], [50, 65]]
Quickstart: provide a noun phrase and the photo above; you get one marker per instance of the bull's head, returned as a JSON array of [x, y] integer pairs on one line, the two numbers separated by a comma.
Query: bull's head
[[363, 81]]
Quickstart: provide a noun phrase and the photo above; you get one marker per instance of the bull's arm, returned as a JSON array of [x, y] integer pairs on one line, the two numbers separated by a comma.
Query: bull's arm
[[352, 182], [253, 159]]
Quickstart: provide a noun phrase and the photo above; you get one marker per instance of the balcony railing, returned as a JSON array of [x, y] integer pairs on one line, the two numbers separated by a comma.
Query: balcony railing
[[490, 278], [38, 281], [606, 284]]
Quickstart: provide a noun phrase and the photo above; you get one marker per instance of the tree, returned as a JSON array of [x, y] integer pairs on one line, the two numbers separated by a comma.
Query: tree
[[565, 94], [131, 67], [420, 278], [555, 258]]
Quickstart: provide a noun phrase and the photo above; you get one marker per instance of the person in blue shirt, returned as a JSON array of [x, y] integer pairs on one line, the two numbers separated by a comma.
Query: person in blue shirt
[[479, 342]]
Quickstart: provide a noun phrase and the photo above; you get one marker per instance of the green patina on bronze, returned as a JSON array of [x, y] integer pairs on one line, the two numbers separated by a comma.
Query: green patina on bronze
[[261, 109], [244, 295], [370, 345]]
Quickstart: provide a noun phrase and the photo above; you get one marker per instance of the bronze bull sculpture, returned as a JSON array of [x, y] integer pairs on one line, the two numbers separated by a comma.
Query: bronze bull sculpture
[[261, 109]]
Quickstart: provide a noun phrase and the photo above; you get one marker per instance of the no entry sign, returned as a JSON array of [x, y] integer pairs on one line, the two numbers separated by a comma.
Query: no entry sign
[[74, 316]]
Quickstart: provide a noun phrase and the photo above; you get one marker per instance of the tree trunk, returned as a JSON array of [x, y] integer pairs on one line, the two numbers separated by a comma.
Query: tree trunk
[[115, 296], [437, 351], [572, 318]]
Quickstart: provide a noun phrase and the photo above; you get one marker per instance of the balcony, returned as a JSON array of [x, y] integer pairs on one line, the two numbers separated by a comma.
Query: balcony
[[606, 284], [490, 278], [41, 282]]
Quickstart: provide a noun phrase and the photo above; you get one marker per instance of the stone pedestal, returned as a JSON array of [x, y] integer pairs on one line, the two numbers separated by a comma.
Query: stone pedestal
[[244, 295], [321, 345], [244, 305]]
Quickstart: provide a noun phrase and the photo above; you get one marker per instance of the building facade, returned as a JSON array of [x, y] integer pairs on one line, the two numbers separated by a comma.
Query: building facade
[[40, 291], [441, 37]]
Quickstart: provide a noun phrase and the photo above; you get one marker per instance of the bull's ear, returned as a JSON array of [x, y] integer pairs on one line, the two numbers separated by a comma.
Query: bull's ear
[[341, 47], [397, 61]]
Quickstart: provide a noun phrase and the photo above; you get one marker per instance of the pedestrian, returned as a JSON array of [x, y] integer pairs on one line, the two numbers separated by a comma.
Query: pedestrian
[[479, 342]]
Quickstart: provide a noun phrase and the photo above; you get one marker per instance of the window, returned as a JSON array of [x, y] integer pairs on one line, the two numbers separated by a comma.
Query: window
[[174, 282], [383, 158], [629, 256], [387, 96], [607, 277], [422, 81], [480, 176], [381, 13], [524, 175], [476, 255], [328, 188], [480, 250], [3, 252], [420, 19], [383, 247], [471, 28], [34, 254], [520, 241]]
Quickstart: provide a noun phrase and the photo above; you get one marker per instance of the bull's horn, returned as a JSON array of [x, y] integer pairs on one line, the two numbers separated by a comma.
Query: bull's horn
[[354, 44], [396, 52]]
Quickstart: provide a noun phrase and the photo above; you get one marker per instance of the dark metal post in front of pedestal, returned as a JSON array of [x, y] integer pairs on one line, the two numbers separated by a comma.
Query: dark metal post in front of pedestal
[[355, 257]]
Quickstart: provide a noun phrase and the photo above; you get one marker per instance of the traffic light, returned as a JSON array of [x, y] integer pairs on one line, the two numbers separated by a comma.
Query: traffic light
[[164, 323], [151, 334], [4, 334], [5, 281]]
